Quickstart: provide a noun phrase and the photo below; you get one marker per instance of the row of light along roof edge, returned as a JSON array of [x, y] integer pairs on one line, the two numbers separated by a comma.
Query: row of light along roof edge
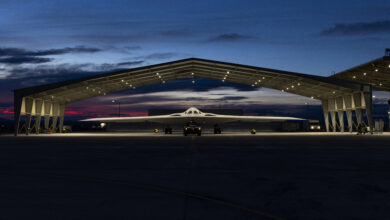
[[46, 87]]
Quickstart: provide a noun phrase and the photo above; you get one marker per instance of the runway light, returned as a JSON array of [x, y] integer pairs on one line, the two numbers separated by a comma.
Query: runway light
[[376, 70], [364, 74]]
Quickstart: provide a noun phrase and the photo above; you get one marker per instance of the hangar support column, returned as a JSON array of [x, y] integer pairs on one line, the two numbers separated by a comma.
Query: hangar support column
[[56, 107], [38, 112], [326, 113], [340, 111], [29, 102], [47, 109], [368, 101], [332, 110], [348, 107], [357, 99]]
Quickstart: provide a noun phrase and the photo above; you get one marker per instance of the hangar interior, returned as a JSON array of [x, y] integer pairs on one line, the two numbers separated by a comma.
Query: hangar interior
[[347, 91]]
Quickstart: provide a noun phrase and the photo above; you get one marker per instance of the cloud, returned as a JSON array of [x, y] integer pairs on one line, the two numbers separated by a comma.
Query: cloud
[[20, 56], [157, 56], [361, 28], [131, 63], [24, 59], [59, 51], [231, 37]]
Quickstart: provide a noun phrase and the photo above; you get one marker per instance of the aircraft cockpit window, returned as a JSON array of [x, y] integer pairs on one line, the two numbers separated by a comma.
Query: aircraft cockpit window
[[195, 112], [189, 112]]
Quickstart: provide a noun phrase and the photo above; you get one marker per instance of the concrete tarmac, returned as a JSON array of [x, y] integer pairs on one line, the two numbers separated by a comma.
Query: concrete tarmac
[[228, 176]]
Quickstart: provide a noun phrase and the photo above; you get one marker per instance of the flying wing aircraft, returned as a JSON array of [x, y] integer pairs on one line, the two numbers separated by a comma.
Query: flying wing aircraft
[[193, 116]]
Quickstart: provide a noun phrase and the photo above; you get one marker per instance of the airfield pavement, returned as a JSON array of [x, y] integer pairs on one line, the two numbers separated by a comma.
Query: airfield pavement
[[228, 176]]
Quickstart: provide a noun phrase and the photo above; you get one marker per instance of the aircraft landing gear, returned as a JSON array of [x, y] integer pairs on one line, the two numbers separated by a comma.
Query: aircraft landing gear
[[217, 129], [168, 130]]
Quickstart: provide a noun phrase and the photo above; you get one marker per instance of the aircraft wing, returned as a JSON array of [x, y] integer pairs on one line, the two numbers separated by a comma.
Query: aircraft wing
[[163, 119], [202, 119], [219, 119]]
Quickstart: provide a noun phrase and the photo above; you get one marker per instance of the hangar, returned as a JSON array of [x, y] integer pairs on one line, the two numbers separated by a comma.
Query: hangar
[[347, 91]]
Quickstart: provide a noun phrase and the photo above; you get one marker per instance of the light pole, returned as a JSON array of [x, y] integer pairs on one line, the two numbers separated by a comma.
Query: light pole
[[119, 106]]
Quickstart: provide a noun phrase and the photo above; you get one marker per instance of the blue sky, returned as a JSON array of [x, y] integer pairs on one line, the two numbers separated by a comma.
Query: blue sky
[[46, 41]]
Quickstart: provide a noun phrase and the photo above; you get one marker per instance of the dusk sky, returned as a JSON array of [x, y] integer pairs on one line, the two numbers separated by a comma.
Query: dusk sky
[[47, 41]]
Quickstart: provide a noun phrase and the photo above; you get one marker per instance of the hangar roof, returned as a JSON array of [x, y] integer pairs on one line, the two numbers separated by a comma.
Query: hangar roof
[[69, 91], [375, 73]]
